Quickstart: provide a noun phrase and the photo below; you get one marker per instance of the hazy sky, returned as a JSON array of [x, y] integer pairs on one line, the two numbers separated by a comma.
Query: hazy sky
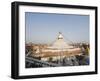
[[44, 27]]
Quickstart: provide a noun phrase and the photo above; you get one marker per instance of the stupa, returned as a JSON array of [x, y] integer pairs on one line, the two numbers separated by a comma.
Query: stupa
[[59, 49], [60, 43]]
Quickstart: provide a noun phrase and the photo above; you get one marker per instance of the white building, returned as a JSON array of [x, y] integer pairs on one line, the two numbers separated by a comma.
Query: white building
[[59, 49]]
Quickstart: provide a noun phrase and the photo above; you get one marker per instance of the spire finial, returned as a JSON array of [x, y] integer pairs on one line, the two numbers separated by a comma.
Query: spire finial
[[59, 32], [60, 36]]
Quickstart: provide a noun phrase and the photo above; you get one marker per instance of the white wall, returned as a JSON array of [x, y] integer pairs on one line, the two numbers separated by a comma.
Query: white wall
[[5, 40]]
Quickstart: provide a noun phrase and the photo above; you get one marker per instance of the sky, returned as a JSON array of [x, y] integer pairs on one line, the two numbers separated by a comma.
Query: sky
[[45, 27]]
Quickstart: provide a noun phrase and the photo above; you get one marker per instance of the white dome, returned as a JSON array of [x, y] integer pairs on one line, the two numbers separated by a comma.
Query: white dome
[[60, 43]]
